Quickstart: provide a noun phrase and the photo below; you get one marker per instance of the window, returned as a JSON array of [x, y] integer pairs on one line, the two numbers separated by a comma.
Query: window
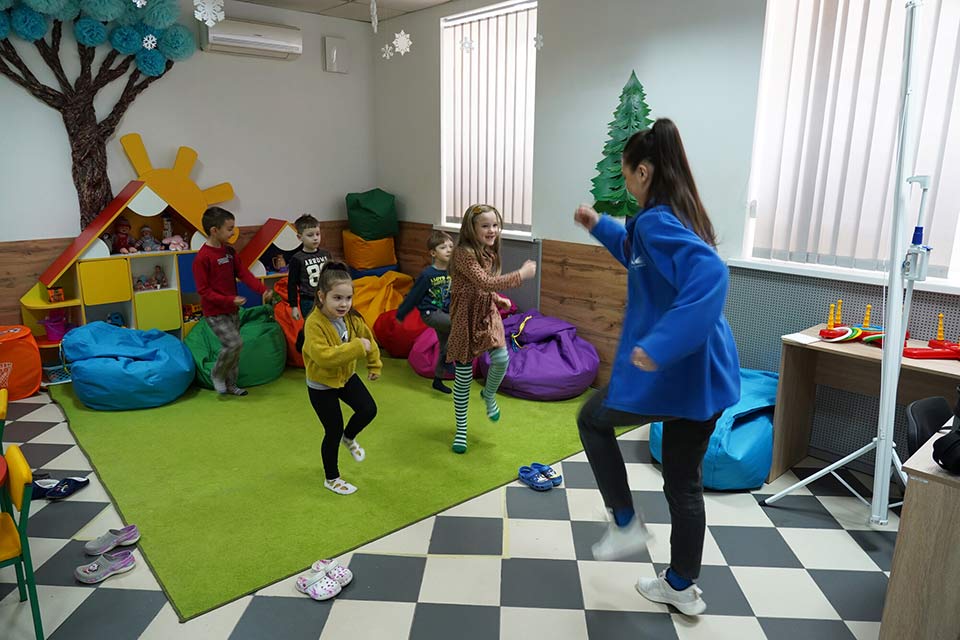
[[825, 139], [488, 67]]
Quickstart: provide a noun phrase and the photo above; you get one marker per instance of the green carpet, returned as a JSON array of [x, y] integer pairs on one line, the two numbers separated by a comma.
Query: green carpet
[[228, 492]]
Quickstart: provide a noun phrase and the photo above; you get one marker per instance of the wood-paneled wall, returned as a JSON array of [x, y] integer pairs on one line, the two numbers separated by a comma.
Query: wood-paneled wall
[[584, 285], [411, 246], [22, 262]]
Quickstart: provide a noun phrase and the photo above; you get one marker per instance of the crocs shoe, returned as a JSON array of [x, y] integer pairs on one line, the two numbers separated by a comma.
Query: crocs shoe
[[534, 479], [113, 538], [548, 472], [318, 585], [107, 565], [334, 571]]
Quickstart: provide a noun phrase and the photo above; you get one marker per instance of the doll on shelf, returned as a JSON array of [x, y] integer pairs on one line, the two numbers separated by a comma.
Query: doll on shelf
[[147, 242], [159, 279], [141, 283], [120, 241]]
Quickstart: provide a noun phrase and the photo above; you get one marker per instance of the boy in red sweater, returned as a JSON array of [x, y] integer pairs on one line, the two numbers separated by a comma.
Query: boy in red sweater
[[216, 270]]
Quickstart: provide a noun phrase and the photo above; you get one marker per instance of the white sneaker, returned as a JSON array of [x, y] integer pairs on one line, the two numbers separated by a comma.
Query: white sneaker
[[658, 589], [620, 542], [340, 486], [355, 449]]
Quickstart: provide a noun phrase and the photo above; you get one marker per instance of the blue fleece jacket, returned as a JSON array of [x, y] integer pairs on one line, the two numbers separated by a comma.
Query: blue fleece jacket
[[676, 289]]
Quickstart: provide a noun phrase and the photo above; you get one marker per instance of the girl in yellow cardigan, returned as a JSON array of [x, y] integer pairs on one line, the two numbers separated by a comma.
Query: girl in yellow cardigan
[[335, 337]]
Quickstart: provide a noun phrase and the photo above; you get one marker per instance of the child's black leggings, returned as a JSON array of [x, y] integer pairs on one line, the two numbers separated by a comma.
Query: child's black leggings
[[326, 403]]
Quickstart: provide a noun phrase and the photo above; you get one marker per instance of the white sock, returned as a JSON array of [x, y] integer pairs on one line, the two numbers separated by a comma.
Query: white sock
[[340, 486]]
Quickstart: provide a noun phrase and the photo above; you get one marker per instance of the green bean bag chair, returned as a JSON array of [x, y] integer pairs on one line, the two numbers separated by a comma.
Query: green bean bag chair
[[264, 353], [372, 215]]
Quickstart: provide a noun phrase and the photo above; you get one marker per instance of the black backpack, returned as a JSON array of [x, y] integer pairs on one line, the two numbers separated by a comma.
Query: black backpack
[[946, 449]]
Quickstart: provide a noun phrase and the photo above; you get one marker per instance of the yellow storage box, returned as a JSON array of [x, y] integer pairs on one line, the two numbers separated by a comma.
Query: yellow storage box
[[105, 281], [158, 309], [368, 254]]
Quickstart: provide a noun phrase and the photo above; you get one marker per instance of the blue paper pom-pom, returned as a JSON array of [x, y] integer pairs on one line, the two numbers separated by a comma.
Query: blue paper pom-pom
[[161, 14], [177, 43], [126, 40], [5, 4], [4, 25], [90, 32], [103, 10], [47, 7], [151, 62], [132, 14], [69, 12], [28, 24]]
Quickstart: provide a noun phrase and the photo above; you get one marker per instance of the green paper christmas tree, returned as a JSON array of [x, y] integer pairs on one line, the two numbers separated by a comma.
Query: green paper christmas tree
[[633, 114]]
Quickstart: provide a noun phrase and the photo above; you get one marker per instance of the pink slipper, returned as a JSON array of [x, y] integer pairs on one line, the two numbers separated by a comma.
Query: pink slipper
[[333, 570]]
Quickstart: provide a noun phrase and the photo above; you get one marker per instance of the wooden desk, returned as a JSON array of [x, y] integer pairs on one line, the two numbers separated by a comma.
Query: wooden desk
[[925, 579], [848, 366]]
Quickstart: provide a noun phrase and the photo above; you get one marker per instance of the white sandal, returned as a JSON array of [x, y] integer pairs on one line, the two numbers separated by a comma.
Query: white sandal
[[355, 449], [340, 486], [334, 570]]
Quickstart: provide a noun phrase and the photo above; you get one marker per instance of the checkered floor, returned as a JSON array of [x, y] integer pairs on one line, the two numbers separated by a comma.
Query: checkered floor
[[505, 564]]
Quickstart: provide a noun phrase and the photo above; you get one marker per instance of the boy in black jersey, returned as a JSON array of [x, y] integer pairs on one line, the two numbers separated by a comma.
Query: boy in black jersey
[[304, 272]]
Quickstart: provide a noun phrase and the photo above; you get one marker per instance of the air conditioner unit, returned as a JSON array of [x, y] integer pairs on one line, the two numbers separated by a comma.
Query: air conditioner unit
[[249, 38]]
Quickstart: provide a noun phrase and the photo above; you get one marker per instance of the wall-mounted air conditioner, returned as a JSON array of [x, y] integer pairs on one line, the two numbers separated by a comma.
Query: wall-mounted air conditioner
[[248, 38]]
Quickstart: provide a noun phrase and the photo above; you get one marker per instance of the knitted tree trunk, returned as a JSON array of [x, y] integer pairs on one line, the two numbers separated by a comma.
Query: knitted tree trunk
[[89, 152]]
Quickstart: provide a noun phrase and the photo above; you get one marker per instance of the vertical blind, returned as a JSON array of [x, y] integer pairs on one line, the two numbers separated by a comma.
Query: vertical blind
[[824, 156], [488, 66]]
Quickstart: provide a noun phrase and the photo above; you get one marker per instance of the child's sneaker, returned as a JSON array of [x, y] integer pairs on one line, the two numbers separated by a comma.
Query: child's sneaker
[[354, 448], [340, 486], [620, 542], [236, 391], [687, 601]]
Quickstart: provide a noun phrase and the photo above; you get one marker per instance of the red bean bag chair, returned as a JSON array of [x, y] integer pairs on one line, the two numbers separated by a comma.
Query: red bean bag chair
[[283, 314], [397, 338], [423, 355]]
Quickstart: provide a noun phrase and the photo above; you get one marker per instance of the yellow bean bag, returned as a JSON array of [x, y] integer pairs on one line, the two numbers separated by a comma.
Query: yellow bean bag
[[367, 254], [373, 295]]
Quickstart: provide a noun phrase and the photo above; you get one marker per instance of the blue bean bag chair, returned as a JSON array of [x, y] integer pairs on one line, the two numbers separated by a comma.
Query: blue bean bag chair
[[114, 369], [741, 447]]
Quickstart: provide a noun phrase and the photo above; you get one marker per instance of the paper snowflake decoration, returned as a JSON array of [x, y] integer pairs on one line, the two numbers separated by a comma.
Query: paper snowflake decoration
[[209, 12], [140, 3], [467, 45], [402, 42], [538, 41], [149, 41], [386, 52], [374, 20]]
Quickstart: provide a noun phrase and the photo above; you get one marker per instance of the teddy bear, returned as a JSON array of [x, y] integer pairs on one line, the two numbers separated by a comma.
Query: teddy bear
[[175, 243]]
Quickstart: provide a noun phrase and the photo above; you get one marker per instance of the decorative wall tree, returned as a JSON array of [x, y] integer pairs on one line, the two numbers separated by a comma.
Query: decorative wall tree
[[142, 36], [631, 116]]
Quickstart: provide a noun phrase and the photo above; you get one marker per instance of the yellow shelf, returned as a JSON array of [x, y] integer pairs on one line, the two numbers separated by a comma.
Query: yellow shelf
[[39, 305]]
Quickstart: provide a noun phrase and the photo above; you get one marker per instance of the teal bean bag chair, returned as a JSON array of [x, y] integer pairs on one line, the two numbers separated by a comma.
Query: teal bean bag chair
[[262, 358], [116, 369]]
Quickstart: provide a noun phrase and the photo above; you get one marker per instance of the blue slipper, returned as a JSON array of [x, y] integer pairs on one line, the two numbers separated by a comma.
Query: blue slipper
[[41, 487], [548, 472], [534, 479], [66, 488]]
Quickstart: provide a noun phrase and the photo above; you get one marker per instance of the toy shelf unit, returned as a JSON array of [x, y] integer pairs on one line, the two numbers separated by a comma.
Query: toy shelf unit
[[267, 255]]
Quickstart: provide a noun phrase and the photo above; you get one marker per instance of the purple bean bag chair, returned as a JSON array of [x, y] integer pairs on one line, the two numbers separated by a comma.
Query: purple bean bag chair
[[548, 360]]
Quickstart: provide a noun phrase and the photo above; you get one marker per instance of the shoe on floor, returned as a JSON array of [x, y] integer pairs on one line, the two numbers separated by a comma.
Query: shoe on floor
[[620, 542], [234, 390], [318, 585], [109, 564], [112, 539], [334, 571], [340, 486], [688, 601], [354, 448], [66, 488]]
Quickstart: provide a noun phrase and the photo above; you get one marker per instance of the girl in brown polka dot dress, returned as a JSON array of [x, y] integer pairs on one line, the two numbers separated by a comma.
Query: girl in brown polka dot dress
[[474, 311]]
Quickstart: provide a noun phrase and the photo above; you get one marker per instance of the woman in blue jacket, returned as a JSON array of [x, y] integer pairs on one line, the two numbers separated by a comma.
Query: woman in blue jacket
[[676, 363]]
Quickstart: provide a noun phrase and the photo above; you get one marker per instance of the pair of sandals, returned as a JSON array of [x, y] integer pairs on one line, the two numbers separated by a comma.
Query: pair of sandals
[[50, 489], [539, 477], [325, 580], [108, 564]]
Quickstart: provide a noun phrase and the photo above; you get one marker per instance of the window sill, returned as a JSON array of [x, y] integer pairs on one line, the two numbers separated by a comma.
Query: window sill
[[933, 285], [525, 236]]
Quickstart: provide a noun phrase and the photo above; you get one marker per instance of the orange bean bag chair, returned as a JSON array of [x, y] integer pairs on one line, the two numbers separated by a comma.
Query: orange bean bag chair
[[368, 254], [283, 314], [374, 295], [20, 367], [397, 338]]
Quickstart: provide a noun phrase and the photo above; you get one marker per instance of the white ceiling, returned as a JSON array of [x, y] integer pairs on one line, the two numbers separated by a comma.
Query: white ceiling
[[352, 9]]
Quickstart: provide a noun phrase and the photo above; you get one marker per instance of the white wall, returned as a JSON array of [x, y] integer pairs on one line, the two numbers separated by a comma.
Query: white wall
[[290, 137], [698, 60]]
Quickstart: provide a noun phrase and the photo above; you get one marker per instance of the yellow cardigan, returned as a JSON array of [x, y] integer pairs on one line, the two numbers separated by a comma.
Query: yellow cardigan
[[328, 359]]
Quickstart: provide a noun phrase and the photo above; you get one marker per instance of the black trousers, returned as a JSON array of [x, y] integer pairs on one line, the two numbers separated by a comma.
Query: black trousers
[[684, 444], [326, 403]]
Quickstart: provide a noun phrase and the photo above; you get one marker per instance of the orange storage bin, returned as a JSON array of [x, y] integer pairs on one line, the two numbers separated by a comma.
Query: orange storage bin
[[368, 254], [20, 368]]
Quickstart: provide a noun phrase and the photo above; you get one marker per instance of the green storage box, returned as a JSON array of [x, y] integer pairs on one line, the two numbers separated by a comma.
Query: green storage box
[[372, 215], [262, 358]]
